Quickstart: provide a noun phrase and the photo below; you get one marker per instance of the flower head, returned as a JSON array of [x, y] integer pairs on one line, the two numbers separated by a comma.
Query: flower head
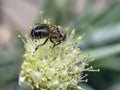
[[53, 68]]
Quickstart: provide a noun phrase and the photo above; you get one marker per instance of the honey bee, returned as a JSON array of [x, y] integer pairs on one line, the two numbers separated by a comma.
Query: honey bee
[[54, 33]]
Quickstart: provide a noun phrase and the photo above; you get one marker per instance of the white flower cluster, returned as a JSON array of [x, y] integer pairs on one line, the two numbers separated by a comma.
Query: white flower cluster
[[53, 68]]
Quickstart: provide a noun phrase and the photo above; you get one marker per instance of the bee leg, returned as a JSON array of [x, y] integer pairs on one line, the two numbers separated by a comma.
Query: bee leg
[[41, 44], [55, 44], [44, 42], [58, 43]]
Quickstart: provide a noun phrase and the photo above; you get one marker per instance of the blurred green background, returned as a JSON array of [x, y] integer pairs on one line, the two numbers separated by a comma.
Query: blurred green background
[[98, 20]]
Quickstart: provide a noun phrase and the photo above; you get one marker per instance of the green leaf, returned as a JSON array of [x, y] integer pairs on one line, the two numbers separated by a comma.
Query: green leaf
[[104, 51]]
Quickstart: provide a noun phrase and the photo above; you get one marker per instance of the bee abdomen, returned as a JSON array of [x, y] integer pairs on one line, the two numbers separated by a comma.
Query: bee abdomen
[[40, 32]]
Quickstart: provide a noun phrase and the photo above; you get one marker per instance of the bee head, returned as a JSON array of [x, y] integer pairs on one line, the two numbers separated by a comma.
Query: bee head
[[62, 33]]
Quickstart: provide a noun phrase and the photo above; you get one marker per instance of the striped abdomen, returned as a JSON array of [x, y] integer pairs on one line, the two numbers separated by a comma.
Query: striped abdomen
[[40, 32]]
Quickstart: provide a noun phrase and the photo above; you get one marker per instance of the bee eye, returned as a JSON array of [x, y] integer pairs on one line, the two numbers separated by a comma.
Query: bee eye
[[57, 30], [61, 36]]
